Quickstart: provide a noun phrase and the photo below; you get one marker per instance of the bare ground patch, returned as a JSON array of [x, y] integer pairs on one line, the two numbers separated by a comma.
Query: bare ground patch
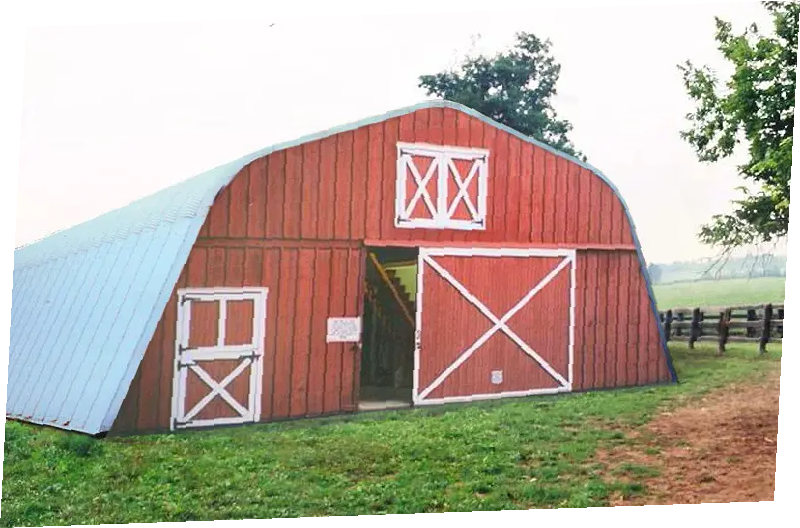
[[719, 449]]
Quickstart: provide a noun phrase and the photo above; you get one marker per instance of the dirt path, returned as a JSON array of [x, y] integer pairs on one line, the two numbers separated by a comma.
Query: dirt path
[[720, 449]]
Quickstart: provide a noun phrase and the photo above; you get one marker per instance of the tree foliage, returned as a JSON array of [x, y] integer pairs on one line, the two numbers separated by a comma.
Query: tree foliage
[[514, 87], [755, 106]]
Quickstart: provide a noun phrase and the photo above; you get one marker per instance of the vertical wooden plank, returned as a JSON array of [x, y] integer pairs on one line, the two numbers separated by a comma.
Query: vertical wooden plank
[[126, 420], [253, 267], [595, 210], [234, 268], [327, 188], [311, 184], [218, 215], [406, 135], [584, 218], [601, 335], [353, 308], [501, 187], [377, 207], [591, 311], [293, 193], [538, 198], [215, 274], [623, 320], [513, 210], [634, 287], [169, 321], [550, 194], [302, 327], [336, 308], [342, 209], [612, 339], [274, 202], [607, 225], [317, 346], [257, 193], [436, 126], [645, 316], [239, 205], [561, 199], [284, 332], [271, 278], [391, 131], [579, 343], [360, 195], [572, 198], [525, 193], [421, 124], [148, 386]]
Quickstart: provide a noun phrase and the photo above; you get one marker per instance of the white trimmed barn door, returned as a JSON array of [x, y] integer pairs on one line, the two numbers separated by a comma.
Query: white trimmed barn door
[[218, 357], [493, 323]]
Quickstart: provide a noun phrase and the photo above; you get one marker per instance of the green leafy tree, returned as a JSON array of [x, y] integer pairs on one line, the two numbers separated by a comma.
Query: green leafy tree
[[755, 106], [655, 272], [514, 87]]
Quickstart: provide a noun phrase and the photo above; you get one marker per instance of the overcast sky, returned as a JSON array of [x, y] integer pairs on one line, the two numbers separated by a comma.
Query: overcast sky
[[114, 113]]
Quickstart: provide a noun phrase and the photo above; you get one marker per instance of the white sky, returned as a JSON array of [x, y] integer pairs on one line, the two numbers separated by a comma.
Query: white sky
[[117, 112]]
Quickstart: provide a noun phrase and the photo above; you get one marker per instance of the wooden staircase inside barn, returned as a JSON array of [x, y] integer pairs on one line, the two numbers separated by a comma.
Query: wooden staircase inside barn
[[388, 344]]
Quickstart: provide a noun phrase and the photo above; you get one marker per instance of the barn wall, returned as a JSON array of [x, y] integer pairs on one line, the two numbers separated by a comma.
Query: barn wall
[[617, 340], [303, 375], [343, 188]]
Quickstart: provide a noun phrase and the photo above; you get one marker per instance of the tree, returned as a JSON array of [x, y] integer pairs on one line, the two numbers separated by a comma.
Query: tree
[[655, 272], [514, 87], [756, 106]]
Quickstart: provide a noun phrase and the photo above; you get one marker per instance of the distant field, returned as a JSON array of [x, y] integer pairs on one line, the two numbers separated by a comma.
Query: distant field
[[729, 292]]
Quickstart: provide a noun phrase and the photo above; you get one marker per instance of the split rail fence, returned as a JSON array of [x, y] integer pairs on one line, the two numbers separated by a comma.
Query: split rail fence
[[749, 324]]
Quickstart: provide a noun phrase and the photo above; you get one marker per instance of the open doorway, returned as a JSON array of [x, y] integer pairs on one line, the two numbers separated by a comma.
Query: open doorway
[[387, 361]]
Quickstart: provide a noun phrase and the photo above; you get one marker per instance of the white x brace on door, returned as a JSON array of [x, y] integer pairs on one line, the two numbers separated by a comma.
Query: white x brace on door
[[533, 297], [223, 345]]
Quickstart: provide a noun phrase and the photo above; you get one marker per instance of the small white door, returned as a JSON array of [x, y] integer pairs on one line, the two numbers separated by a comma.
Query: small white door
[[218, 356]]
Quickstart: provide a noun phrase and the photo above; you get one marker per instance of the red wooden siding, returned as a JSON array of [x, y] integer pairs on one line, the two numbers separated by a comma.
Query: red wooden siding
[[343, 188], [303, 376], [617, 340]]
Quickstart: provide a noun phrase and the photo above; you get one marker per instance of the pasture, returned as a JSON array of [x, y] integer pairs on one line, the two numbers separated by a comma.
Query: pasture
[[539, 452]]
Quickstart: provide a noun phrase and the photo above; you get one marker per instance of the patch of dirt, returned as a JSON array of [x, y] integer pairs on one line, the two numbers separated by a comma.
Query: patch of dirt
[[719, 449]]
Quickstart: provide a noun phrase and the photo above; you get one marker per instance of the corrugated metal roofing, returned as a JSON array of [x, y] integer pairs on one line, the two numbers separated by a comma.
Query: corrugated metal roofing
[[86, 301]]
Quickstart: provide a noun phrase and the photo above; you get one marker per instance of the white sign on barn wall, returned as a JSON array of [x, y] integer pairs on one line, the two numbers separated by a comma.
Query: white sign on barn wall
[[344, 330]]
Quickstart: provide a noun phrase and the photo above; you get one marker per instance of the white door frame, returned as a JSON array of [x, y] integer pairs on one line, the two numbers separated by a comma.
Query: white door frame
[[251, 356], [420, 395]]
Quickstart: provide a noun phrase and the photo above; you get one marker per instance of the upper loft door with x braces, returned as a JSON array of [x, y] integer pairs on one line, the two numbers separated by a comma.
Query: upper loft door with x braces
[[218, 356], [441, 187], [493, 323]]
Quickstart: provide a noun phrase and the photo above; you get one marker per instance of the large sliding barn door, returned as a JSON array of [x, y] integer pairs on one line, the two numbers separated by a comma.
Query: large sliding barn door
[[493, 323]]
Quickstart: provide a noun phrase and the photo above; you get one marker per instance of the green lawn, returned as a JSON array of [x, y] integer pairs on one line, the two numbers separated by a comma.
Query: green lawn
[[523, 453], [722, 293]]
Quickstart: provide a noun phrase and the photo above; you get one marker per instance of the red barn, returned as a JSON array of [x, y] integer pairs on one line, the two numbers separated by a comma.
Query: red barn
[[288, 300]]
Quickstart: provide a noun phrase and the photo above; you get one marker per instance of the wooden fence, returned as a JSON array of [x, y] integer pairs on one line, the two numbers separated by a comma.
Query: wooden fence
[[751, 324]]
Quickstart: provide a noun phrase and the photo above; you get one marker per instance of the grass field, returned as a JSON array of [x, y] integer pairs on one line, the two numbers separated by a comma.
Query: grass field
[[729, 292], [516, 454]]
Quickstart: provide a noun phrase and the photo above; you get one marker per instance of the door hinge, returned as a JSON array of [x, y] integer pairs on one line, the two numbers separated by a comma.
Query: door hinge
[[181, 364], [187, 298], [252, 356]]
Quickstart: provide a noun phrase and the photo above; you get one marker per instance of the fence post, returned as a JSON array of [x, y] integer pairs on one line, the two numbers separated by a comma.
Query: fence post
[[779, 326], [668, 325], [695, 331], [751, 316], [724, 329], [679, 330], [766, 328]]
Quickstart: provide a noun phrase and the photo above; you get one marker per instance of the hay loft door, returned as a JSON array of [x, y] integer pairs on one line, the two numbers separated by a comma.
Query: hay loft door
[[218, 356], [493, 323]]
